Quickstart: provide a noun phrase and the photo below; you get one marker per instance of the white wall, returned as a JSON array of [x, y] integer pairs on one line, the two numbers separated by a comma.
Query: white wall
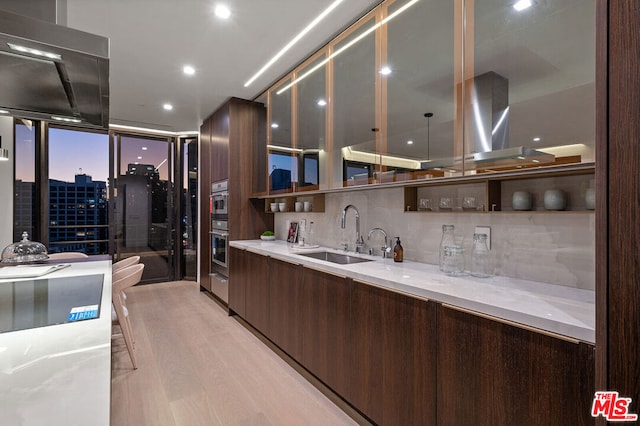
[[544, 247], [6, 184]]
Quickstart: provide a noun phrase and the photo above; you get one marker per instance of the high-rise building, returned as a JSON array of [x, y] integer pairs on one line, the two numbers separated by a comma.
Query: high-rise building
[[78, 215], [24, 208]]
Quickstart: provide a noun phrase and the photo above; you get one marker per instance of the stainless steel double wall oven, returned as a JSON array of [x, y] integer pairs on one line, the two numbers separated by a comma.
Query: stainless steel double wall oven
[[219, 272]]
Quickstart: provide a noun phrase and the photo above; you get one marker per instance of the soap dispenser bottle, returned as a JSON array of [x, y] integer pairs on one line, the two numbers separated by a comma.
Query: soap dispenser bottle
[[398, 251]]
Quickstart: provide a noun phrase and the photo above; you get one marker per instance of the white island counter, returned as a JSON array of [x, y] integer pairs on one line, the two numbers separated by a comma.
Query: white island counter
[[562, 310], [55, 374]]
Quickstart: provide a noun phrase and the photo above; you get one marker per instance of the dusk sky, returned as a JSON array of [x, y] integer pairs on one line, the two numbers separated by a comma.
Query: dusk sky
[[74, 152]]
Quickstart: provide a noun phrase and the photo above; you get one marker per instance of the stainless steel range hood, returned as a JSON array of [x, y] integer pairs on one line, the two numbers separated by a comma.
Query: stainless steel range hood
[[52, 72]]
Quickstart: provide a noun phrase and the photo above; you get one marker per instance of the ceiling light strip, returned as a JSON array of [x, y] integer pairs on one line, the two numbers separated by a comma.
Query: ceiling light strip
[[284, 148], [294, 41], [154, 131], [348, 45]]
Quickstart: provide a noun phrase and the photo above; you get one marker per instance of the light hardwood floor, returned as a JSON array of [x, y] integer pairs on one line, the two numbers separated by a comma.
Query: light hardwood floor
[[198, 366]]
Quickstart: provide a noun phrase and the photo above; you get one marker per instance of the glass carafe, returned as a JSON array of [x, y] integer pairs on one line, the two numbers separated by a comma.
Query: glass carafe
[[481, 265], [448, 239]]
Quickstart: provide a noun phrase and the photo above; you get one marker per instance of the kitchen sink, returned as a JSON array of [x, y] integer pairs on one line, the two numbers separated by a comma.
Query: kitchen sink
[[329, 256]]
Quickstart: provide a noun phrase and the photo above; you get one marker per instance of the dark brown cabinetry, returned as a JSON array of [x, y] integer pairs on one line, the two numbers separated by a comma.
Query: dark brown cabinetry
[[285, 310], [239, 271], [257, 291], [325, 325], [233, 147], [392, 375], [492, 373], [399, 359], [249, 289]]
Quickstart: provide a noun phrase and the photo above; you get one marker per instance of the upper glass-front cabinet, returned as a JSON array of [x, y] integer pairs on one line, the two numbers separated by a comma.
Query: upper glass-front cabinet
[[530, 83], [422, 89]]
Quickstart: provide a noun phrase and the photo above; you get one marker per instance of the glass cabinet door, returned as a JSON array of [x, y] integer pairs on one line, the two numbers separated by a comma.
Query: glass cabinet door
[[420, 92], [428, 89], [311, 112], [530, 84], [354, 151], [282, 162]]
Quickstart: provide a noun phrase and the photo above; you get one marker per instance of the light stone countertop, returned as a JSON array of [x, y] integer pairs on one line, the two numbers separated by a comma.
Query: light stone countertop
[[557, 309], [59, 374]]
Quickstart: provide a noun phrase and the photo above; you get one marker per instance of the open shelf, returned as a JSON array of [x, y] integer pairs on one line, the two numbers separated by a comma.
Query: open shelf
[[494, 193]]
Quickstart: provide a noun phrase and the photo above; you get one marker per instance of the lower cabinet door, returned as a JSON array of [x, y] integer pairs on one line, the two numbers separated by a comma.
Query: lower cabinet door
[[237, 280], [492, 373], [325, 346], [257, 291], [285, 322], [392, 375]]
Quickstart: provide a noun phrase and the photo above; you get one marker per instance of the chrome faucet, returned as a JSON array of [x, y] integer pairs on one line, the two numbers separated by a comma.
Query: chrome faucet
[[385, 250], [343, 224]]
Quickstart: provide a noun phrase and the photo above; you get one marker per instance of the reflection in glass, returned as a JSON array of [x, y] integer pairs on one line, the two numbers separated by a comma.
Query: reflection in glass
[[420, 56], [533, 84], [280, 118], [354, 98], [283, 170]]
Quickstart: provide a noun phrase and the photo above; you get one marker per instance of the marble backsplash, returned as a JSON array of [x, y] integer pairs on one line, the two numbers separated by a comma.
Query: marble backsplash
[[554, 248]]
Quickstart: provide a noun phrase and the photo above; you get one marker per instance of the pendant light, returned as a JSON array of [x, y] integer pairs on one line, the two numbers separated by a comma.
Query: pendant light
[[428, 115]]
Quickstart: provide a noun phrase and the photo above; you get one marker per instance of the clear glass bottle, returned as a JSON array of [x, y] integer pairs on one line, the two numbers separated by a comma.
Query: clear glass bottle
[[481, 265], [448, 239]]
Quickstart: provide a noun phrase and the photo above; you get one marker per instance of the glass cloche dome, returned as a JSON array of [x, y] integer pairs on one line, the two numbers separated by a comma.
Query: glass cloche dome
[[24, 251]]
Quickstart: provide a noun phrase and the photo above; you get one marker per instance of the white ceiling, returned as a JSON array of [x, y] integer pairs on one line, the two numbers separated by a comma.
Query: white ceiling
[[151, 40]]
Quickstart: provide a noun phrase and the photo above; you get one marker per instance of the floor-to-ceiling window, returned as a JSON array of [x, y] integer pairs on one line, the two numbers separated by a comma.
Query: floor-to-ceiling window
[[189, 207], [119, 194], [78, 172], [25, 201], [144, 208]]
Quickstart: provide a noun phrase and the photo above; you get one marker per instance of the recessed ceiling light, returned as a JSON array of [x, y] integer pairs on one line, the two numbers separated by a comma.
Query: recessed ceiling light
[[409, 142], [167, 107], [522, 5], [385, 70], [222, 11], [322, 102], [188, 70], [274, 125], [294, 41], [139, 157], [144, 148], [536, 139]]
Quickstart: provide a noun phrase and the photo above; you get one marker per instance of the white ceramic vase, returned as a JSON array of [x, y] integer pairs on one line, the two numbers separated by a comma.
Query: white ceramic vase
[[554, 199], [590, 199], [521, 200]]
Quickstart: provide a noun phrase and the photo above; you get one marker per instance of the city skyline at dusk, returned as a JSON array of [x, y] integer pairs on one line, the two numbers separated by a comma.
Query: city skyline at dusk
[[73, 152]]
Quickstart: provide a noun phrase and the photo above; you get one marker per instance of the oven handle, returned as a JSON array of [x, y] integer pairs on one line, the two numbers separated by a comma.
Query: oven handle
[[221, 234]]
